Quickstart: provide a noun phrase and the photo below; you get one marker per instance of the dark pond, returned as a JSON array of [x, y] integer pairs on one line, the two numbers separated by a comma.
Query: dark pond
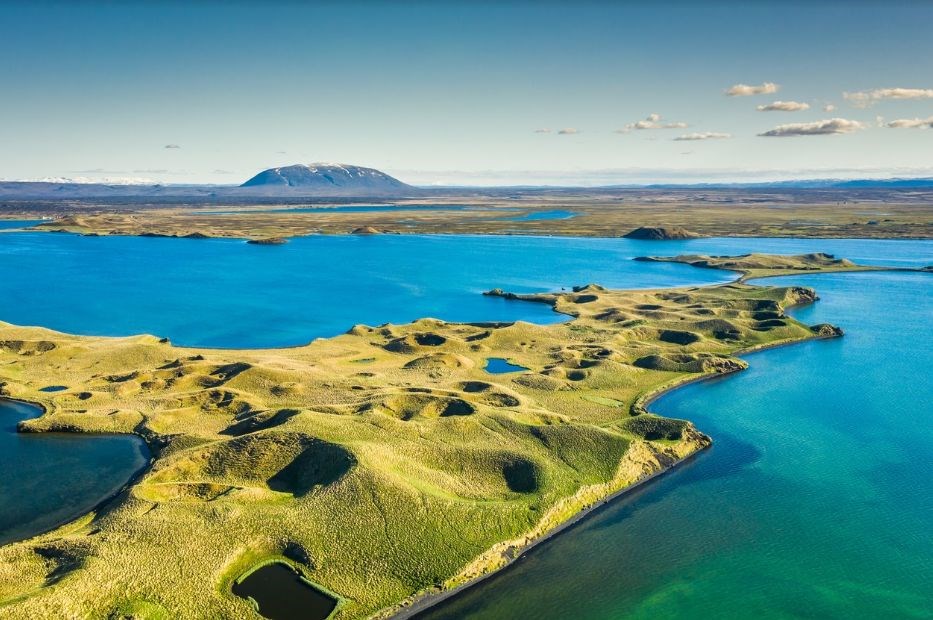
[[282, 593]]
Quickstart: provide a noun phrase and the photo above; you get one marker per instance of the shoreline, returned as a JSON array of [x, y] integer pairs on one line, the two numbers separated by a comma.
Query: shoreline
[[429, 600], [641, 404]]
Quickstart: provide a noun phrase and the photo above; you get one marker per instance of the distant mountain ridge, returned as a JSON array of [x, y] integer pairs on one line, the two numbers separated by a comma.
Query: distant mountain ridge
[[345, 182], [329, 178]]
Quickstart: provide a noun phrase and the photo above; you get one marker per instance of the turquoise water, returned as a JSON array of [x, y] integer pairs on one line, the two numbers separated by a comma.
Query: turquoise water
[[557, 214], [48, 479], [10, 224], [816, 499], [498, 365], [226, 293]]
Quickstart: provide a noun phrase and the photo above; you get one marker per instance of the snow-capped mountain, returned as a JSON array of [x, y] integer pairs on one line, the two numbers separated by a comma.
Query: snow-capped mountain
[[327, 179]]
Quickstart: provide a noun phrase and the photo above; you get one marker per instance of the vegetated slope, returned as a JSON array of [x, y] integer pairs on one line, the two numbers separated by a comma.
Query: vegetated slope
[[381, 463]]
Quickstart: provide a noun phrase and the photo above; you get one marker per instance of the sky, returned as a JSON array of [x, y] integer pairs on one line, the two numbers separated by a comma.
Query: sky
[[466, 93]]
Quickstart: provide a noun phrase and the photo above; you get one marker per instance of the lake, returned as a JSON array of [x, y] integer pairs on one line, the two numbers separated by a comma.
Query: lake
[[48, 479], [816, 499], [227, 293]]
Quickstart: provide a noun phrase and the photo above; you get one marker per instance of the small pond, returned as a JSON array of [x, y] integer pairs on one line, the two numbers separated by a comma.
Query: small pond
[[499, 365], [280, 592]]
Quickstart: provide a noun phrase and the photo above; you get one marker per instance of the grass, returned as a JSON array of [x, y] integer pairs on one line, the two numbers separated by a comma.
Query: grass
[[412, 472]]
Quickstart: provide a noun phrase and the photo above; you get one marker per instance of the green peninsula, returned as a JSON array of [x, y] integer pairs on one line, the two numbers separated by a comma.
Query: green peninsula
[[385, 465]]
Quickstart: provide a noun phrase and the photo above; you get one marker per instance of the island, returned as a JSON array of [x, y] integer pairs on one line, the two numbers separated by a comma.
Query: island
[[383, 468]]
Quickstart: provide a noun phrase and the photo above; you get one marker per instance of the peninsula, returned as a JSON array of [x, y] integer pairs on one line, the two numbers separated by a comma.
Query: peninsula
[[385, 465]]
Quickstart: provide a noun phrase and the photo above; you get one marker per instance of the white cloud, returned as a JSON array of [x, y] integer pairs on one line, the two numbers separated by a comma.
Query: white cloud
[[816, 128], [172, 146], [543, 130], [784, 106], [865, 98], [705, 135], [745, 90], [652, 121], [911, 123], [829, 107], [568, 131]]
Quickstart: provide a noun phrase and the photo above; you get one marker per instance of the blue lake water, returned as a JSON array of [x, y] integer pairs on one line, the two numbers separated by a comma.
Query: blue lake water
[[556, 214], [226, 293], [11, 224], [48, 479], [498, 365], [816, 499]]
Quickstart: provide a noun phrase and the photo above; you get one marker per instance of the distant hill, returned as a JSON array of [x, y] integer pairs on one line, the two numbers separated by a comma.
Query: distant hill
[[328, 179]]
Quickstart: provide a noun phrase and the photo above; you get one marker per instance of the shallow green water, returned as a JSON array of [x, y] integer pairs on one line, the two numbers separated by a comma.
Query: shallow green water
[[815, 501]]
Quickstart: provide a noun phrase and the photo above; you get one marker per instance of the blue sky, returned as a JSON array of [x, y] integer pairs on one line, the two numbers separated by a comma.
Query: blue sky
[[462, 92]]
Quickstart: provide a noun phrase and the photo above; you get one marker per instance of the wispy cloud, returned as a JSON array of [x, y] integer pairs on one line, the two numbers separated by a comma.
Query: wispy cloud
[[172, 146], [703, 135], [911, 123], [865, 98], [652, 121], [784, 106], [568, 131], [817, 128], [746, 90], [543, 130], [829, 108]]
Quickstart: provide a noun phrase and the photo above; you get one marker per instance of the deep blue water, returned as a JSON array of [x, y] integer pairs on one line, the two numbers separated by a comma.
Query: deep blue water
[[498, 365], [815, 501], [226, 293], [48, 479]]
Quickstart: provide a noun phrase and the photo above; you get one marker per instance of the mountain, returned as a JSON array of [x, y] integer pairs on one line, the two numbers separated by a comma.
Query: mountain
[[328, 179]]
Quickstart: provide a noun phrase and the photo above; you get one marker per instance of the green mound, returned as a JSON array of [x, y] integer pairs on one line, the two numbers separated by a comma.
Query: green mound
[[652, 427], [678, 337], [287, 462]]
